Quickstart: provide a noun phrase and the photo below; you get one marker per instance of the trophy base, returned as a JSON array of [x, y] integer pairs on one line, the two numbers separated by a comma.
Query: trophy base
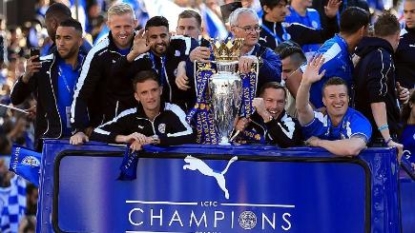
[[224, 141]]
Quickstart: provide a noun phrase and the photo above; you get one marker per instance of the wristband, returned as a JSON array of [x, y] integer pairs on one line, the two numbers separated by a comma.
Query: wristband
[[383, 127], [389, 140]]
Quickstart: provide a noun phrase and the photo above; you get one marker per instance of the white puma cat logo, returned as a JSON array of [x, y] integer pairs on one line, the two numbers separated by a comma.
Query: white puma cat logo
[[197, 164]]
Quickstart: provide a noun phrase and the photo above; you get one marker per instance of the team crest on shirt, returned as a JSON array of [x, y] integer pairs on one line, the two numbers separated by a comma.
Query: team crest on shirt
[[162, 128], [177, 53], [314, 24]]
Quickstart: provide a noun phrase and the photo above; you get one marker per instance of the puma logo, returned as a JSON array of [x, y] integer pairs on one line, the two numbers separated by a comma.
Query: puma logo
[[193, 163]]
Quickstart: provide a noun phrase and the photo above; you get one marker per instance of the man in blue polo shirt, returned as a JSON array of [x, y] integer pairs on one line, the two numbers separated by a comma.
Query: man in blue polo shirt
[[337, 51], [53, 80], [343, 131]]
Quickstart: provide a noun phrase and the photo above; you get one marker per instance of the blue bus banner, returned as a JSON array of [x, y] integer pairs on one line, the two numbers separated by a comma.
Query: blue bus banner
[[215, 189]]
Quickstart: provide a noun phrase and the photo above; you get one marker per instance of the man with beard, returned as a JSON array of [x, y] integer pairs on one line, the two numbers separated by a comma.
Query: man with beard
[[343, 131], [52, 80], [405, 54], [155, 49], [56, 13]]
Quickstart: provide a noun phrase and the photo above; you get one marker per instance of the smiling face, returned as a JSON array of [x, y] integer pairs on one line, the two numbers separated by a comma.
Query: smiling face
[[274, 101], [159, 39], [122, 29], [336, 100]]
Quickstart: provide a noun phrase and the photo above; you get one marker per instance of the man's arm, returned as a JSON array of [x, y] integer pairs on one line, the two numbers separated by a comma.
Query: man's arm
[[310, 75], [270, 70], [117, 129], [179, 131], [189, 51], [86, 88], [343, 147], [380, 115], [306, 35], [182, 81], [133, 137], [377, 86], [26, 83]]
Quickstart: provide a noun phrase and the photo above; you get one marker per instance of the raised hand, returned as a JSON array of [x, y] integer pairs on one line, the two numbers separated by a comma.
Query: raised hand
[[332, 8], [140, 45], [312, 73]]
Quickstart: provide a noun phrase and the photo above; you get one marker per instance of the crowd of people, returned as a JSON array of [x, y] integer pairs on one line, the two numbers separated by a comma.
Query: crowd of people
[[325, 79]]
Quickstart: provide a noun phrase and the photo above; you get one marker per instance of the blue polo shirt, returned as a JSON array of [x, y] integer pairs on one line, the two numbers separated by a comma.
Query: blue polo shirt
[[338, 63], [352, 124], [67, 78], [311, 19]]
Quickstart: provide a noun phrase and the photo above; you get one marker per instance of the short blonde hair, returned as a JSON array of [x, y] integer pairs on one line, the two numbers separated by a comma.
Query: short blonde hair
[[120, 9]]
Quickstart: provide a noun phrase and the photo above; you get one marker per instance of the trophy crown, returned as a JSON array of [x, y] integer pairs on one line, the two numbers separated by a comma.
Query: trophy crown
[[229, 51]]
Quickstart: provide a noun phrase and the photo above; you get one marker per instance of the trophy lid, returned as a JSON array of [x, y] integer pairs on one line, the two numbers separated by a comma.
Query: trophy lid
[[227, 50]]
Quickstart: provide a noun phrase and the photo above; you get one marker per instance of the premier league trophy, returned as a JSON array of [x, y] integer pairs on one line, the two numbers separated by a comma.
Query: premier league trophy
[[225, 87], [222, 93]]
